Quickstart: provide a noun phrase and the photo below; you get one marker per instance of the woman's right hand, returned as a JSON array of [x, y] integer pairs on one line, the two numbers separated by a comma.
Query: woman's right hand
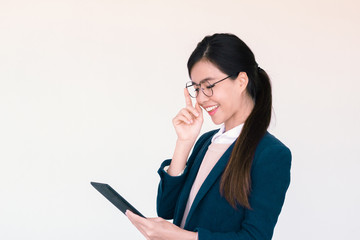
[[188, 121], [187, 125]]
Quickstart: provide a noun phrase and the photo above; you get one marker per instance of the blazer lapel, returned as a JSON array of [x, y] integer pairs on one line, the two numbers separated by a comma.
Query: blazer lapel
[[214, 174]]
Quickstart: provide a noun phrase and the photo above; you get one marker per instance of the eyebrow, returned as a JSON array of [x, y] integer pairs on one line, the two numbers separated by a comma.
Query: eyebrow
[[204, 80]]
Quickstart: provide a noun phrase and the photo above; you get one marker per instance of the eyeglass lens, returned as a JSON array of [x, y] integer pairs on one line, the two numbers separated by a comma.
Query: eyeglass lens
[[194, 89]]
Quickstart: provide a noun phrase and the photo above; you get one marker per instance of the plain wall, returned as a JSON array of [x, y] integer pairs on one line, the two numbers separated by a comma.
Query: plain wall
[[88, 90]]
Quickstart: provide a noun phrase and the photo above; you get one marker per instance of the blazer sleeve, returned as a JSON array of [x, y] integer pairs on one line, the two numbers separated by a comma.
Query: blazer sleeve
[[170, 186], [168, 191], [270, 177]]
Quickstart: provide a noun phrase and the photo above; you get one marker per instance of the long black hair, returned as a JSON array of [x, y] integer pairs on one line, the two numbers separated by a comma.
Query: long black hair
[[232, 56]]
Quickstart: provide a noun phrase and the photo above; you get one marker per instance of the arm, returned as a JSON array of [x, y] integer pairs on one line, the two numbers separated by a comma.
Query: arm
[[187, 124], [170, 186], [270, 180]]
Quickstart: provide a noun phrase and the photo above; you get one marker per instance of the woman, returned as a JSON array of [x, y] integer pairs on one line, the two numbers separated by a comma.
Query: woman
[[233, 184]]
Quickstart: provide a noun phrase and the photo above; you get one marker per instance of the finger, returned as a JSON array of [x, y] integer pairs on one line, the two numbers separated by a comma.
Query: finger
[[187, 97], [189, 113], [139, 222], [193, 111], [135, 217], [181, 119], [142, 224], [198, 108]]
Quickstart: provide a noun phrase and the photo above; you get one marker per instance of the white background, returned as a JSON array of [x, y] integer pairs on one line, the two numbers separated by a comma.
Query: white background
[[88, 90]]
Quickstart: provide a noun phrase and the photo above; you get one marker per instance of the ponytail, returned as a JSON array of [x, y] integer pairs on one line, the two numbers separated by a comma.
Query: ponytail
[[236, 180]]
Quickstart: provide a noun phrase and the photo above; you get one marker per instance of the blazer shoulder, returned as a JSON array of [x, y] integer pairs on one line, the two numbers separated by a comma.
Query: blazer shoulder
[[270, 140], [269, 143]]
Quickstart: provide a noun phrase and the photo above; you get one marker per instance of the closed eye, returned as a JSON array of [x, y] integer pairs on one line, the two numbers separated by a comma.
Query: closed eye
[[210, 86]]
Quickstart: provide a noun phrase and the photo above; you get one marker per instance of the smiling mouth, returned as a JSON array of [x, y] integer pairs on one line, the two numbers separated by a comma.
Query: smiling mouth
[[212, 110], [209, 109]]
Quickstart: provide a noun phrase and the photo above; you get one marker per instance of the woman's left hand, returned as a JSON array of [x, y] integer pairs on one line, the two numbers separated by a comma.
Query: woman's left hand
[[159, 229]]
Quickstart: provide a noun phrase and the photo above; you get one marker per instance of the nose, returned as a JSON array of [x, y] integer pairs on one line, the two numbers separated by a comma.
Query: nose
[[201, 97]]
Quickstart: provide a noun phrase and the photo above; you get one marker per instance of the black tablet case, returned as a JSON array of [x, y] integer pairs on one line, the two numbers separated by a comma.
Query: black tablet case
[[115, 198]]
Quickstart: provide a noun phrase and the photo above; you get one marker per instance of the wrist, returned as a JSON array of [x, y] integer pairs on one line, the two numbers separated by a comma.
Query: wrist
[[185, 142], [179, 159], [188, 235]]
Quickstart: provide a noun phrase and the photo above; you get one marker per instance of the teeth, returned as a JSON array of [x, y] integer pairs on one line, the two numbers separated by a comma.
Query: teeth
[[211, 108]]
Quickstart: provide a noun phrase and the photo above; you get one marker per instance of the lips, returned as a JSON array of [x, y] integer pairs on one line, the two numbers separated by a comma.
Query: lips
[[212, 109]]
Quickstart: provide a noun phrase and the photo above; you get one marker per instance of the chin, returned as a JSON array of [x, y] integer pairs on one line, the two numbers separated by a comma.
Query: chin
[[217, 121]]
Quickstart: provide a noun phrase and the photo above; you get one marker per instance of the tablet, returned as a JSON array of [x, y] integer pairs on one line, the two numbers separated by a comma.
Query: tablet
[[115, 198]]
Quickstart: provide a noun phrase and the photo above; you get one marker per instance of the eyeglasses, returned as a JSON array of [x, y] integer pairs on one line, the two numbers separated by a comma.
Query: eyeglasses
[[205, 86]]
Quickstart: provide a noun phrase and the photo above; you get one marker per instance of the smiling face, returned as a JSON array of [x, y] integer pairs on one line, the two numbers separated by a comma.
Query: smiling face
[[230, 103]]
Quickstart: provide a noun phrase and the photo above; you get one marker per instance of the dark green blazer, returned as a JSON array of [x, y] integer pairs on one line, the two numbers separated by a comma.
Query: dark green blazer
[[210, 214]]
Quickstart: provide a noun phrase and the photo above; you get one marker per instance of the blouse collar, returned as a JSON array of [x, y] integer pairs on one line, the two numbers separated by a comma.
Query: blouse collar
[[227, 137]]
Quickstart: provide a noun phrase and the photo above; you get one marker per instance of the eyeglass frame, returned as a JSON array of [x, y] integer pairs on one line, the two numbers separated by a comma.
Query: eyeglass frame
[[202, 89]]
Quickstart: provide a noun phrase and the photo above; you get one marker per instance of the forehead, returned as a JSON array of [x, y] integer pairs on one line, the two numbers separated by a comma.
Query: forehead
[[205, 70]]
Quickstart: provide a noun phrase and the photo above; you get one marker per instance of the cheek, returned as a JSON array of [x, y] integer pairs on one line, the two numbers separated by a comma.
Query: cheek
[[232, 104], [229, 99], [226, 107]]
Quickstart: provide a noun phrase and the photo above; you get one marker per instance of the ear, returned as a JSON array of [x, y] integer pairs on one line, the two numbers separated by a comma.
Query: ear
[[243, 80]]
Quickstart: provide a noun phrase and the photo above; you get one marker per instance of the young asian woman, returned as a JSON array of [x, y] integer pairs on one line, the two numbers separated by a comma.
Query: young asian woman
[[234, 182]]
